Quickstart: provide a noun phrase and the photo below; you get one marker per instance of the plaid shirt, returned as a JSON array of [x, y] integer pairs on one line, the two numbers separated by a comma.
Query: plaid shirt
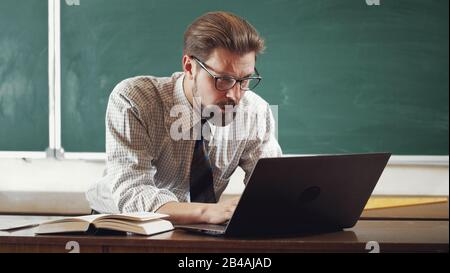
[[147, 168]]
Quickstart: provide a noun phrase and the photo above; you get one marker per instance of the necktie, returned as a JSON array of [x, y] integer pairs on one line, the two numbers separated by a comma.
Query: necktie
[[201, 182]]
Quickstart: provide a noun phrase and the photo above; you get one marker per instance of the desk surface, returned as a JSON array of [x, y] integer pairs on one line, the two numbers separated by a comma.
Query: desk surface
[[392, 236], [423, 228]]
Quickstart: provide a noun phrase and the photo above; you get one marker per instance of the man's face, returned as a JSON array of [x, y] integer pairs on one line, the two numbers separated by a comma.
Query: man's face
[[222, 63]]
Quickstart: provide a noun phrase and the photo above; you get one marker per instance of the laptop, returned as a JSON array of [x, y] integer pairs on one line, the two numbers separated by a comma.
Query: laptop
[[305, 194]]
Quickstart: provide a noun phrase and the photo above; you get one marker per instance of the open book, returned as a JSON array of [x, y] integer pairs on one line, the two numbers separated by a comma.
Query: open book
[[144, 223]]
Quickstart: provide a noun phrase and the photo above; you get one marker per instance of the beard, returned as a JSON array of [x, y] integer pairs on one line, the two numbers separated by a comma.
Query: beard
[[221, 113], [226, 114]]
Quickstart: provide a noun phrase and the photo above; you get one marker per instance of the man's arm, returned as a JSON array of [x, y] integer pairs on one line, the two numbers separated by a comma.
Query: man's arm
[[130, 151]]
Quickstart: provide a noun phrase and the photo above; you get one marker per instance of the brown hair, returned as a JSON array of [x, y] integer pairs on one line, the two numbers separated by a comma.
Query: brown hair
[[221, 30]]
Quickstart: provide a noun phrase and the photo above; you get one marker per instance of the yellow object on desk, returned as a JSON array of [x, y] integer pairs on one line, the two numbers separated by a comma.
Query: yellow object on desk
[[381, 202]]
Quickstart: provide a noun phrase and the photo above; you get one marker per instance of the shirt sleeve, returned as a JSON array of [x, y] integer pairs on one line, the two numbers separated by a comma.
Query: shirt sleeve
[[130, 151], [260, 145]]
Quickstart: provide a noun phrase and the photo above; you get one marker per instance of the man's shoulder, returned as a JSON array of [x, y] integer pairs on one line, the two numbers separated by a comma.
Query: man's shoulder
[[146, 90]]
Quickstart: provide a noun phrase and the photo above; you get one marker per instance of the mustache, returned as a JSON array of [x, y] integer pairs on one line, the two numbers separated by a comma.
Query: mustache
[[226, 102]]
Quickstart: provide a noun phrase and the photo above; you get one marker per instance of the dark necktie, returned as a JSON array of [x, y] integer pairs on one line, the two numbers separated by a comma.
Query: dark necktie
[[201, 182]]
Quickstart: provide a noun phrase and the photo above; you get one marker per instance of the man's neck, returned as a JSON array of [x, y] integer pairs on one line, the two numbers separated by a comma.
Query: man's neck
[[187, 89]]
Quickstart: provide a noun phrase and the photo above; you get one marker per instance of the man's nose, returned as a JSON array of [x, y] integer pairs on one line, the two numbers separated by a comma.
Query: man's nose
[[235, 93]]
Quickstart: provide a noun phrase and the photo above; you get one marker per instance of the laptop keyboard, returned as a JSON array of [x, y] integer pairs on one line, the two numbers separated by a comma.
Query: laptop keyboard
[[211, 227], [208, 228]]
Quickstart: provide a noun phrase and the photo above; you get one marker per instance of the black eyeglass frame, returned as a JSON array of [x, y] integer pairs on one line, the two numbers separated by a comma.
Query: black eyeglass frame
[[216, 78]]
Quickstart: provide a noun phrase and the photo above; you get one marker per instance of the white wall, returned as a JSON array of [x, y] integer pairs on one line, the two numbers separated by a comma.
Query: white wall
[[53, 186]]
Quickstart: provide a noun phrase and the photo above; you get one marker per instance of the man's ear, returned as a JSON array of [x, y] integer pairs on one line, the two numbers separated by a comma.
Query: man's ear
[[188, 67]]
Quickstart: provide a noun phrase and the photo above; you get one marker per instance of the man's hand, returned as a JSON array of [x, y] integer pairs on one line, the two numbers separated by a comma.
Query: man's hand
[[200, 213], [220, 212]]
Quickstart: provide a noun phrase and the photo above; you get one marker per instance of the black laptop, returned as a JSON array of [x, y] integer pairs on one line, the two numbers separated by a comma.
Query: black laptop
[[306, 194]]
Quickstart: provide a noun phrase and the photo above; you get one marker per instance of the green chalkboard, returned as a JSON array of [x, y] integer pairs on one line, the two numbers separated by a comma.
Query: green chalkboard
[[347, 77], [23, 75]]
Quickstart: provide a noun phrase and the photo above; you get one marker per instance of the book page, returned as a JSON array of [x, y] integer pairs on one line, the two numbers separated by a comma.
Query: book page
[[133, 216], [85, 218]]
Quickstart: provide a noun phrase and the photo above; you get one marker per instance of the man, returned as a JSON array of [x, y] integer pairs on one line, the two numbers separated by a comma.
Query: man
[[152, 165]]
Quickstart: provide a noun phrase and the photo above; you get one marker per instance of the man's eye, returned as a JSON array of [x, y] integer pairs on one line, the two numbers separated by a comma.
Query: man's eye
[[227, 79]]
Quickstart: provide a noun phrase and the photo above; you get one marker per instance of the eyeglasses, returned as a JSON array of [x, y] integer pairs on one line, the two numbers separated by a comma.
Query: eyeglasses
[[225, 83]]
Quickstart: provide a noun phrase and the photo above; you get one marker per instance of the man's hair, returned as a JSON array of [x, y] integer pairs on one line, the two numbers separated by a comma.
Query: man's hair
[[221, 30]]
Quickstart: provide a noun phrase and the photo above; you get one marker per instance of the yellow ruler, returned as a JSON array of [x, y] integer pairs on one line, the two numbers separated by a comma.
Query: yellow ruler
[[381, 202]]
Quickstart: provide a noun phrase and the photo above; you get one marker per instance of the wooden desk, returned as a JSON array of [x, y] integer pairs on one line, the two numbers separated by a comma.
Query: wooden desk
[[422, 228], [392, 236]]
